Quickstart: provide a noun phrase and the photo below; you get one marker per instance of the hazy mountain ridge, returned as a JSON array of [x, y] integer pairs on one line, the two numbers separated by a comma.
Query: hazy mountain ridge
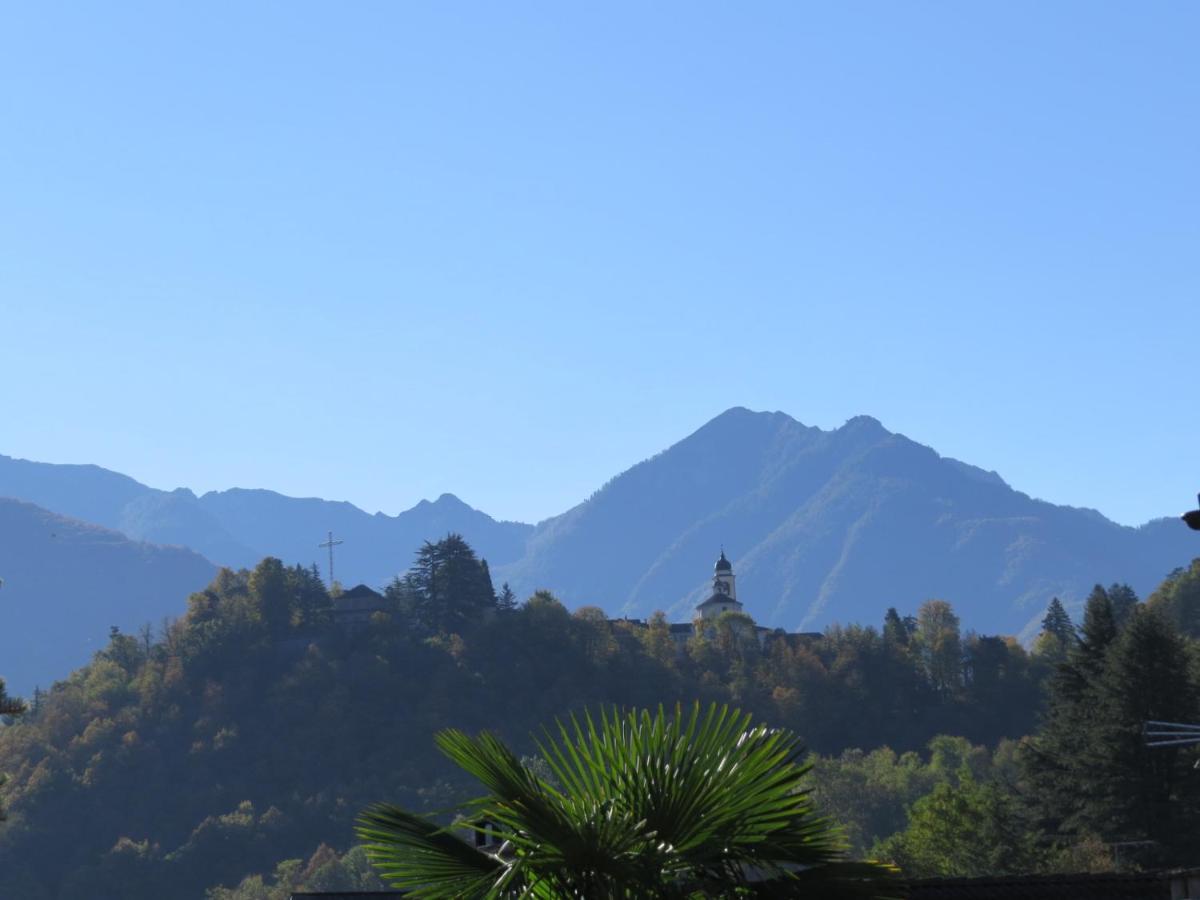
[[238, 527], [377, 547], [93, 494], [823, 526], [66, 582]]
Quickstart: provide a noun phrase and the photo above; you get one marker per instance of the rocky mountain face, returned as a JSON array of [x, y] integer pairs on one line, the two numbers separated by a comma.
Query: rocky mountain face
[[67, 582], [833, 526]]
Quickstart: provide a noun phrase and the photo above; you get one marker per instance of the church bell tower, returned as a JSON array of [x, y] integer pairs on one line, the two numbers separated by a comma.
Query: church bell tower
[[723, 577], [724, 593]]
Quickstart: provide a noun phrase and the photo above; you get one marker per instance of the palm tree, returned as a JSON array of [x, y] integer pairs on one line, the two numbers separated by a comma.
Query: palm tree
[[634, 805]]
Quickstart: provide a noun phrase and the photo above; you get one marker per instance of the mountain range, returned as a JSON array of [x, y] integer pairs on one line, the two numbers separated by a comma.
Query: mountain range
[[822, 526]]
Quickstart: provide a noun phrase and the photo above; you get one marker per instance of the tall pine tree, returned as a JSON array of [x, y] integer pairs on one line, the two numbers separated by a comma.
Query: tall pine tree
[[1058, 624], [1057, 635], [1054, 757], [1132, 792], [1089, 767]]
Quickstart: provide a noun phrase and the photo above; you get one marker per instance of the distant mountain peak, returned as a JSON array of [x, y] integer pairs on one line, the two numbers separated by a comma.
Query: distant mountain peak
[[735, 412], [445, 501], [865, 423]]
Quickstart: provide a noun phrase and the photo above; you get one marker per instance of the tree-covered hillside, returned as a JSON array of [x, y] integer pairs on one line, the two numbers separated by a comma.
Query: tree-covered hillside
[[254, 729]]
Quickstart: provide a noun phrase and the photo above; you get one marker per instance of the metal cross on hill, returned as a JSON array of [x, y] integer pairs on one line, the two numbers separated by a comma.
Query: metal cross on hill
[[331, 543]]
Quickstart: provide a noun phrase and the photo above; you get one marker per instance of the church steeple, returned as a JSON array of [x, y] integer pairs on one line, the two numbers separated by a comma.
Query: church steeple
[[723, 577], [724, 591]]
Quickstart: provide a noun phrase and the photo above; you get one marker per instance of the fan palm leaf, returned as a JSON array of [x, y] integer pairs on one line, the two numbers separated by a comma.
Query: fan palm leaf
[[643, 805]]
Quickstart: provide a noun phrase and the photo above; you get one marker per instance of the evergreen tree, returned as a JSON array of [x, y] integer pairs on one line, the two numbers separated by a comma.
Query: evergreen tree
[[1057, 623], [1053, 759], [1178, 598], [448, 588], [1131, 792], [1098, 631], [507, 601], [895, 630], [9, 706], [1089, 767], [1123, 601], [1057, 635]]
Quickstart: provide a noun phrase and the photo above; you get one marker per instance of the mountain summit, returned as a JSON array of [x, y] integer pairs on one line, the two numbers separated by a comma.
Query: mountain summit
[[832, 526]]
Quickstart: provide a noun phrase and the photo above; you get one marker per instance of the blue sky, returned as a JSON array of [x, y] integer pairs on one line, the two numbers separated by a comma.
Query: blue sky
[[380, 251]]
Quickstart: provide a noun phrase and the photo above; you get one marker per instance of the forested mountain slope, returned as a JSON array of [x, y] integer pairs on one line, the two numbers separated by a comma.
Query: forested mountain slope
[[65, 583], [828, 526], [255, 729]]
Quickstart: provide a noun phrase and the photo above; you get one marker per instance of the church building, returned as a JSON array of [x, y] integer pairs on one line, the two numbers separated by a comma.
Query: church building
[[724, 593], [723, 599]]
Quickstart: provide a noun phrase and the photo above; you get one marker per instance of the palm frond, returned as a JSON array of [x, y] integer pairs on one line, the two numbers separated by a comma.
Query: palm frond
[[671, 805], [423, 858]]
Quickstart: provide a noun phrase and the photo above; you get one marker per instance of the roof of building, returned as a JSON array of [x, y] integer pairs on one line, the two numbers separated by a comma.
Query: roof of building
[[723, 565], [682, 628], [361, 590], [719, 598], [358, 599]]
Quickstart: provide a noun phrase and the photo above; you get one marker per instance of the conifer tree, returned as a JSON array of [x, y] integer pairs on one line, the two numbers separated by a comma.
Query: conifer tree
[[1099, 629], [1058, 624], [1131, 792], [1123, 601], [507, 601], [447, 588], [1053, 759], [1179, 599], [9, 706], [1089, 767], [1057, 635], [896, 631]]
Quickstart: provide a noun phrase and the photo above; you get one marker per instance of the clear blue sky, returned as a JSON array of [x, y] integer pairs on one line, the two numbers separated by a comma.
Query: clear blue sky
[[378, 251]]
